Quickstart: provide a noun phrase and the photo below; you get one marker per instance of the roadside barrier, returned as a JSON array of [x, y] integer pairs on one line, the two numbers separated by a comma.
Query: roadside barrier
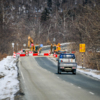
[[18, 54], [49, 52], [35, 54], [27, 53], [22, 55], [14, 55], [55, 55], [46, 54], [30, 53], [38, 52]]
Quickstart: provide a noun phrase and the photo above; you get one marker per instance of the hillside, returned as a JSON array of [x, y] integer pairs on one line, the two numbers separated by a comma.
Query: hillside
[[65, 20]]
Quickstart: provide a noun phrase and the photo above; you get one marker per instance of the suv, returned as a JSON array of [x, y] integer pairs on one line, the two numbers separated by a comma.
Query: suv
[[66, 63]]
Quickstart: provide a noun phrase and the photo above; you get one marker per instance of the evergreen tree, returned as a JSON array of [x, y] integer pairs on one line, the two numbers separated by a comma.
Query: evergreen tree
[[49, 3], [45, 15]]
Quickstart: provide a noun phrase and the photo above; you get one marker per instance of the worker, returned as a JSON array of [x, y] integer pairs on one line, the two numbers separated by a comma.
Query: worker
[[32, 46], [51, 47]]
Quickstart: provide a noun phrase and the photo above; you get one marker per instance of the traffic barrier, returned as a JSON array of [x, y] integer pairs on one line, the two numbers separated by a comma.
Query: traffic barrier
[[38, 52], [30, 53], [49, 52], [22, 55], [18, 54], [73, 52], [55, 55], [21, 51], [14, 55], [35, 54], [27, 53], [46, 54]]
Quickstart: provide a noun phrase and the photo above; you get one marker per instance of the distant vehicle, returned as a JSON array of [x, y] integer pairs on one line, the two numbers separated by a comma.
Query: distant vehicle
[[66, 63]]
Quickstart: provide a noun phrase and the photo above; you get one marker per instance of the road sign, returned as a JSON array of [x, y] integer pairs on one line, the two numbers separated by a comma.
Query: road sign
[[24, 45], [82, 47], [54, 39], [41, 45], [12, 44]]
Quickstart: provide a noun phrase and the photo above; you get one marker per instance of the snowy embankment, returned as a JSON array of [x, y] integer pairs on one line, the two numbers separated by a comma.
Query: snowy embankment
[[9, 84], [90, 72]]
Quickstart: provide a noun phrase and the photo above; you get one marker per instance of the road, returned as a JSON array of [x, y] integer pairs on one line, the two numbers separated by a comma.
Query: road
[[40, 81]]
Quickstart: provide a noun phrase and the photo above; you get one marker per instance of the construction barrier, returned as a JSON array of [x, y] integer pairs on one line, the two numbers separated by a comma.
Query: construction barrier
[[27, 53], [46, 54], [14, 55], [35, 54], [22, 55], [30, 53], [55, 55]]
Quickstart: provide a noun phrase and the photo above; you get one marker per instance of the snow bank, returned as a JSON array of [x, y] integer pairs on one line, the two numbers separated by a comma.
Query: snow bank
[[62, 44], [9, 84], [89, 72]]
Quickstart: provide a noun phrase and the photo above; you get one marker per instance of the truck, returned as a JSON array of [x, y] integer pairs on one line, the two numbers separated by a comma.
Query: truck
[[66, 63]]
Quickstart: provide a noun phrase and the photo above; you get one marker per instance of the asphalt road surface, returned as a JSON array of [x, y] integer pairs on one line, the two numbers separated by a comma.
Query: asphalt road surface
[[40, 81]]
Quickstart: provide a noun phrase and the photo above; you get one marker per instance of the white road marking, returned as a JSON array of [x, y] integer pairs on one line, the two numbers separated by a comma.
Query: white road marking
[[91, 93], [71, 84], [79, 87], [22, 75]]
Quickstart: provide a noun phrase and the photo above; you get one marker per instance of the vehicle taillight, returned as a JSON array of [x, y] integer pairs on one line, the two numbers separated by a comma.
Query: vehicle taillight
[[74, 68], [61, 61]]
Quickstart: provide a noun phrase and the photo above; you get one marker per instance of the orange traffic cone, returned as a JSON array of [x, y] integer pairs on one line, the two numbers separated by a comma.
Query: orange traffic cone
[[38, 52], [49, 52], [54, 54], [14, 55]]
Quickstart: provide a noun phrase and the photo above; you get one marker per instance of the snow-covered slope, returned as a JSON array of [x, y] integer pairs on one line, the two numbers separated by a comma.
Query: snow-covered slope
[[9, 84]]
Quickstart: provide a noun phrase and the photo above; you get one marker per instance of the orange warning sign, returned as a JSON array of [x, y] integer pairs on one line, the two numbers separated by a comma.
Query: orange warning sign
[[82, 47]]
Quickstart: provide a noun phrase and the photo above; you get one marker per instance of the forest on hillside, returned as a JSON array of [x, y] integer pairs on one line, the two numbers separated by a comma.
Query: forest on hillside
[[65, 20]]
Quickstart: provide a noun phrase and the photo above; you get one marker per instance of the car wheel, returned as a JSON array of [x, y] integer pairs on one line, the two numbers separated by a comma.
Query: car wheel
[[59, 71], [74, 72]]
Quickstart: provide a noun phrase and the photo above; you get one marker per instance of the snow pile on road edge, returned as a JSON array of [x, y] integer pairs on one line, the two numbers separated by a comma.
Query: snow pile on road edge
[[9, 84], [89, 72]]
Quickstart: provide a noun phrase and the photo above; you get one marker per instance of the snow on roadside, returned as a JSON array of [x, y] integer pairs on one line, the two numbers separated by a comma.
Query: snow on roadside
[[89, 72], [9, 84]]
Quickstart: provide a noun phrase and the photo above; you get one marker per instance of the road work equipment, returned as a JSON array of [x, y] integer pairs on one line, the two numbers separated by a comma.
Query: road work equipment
[[55, 48], [35, 48]]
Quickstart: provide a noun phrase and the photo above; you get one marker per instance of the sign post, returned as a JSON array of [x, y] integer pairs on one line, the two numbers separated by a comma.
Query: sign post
[[54, 39], [82, 50], [13, 46], [24, 45], [17, 46]]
